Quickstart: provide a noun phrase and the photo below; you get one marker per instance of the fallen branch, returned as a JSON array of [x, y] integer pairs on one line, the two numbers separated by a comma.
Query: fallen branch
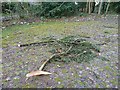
[[54, 55], [75, 42], [46, 61], [35, 73], [80, 48], [40, 72], [37, 43]]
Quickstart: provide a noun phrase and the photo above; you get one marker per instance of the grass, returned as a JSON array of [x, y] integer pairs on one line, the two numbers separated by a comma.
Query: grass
[[28, 86], [35, 32], [43, 29]]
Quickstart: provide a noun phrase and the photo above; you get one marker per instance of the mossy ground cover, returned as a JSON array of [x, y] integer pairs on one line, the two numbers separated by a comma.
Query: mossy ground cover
[[18, 61], [38, 30]]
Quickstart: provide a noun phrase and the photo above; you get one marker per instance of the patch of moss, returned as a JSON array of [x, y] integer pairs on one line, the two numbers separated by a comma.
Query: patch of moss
[[104, 84], [61, 86], [15, 83], [64, 71], [28, 86], [76, 75], [5, 83], [81, 83], [114, 82], [19, 63], [58, 79], [107, 68], [97, 86]]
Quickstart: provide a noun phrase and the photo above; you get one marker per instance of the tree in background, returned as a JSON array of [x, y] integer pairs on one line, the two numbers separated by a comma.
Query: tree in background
[[107, 7], [100, 7], [89, 7], [59, 9]]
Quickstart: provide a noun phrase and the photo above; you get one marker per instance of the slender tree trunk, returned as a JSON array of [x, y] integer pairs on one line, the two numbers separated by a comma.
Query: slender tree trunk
[[100, 7], [107, 7], [89, 7]]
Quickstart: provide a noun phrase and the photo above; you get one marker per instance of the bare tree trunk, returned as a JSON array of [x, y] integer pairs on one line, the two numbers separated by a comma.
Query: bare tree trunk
[[107, 7], [89, 7], [100, 7]]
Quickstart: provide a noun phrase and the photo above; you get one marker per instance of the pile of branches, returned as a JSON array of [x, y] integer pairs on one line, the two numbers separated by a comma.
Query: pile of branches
[[67, 49], [70, 48], [74, 48]]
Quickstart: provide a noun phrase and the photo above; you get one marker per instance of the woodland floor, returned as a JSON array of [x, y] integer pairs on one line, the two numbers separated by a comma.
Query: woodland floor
[[18, 61]]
